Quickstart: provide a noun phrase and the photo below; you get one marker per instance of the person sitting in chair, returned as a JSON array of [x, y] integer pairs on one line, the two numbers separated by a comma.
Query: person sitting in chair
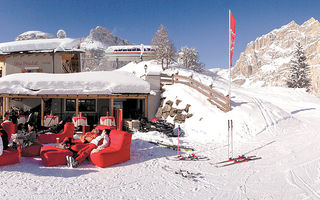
[[25, 139], [55, 129], [92, 147], [3, 140]]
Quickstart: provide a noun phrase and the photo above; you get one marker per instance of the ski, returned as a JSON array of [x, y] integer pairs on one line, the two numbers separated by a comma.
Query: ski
[[240, 161], [173, 147], [191, 157], [230, 160]]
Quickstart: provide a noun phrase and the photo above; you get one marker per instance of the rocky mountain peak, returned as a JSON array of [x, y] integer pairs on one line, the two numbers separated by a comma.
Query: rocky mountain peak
[[292, 24], [101, 38], [97, 41], [99, 32], [266, 60], [310, 21]]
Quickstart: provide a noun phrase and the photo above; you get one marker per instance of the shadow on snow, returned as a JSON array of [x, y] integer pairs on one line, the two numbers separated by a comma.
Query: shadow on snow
[[141, 151]]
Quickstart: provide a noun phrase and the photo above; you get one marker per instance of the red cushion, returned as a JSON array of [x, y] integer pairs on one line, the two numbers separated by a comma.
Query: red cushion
[[30, 151], [68, 131], [117, 152], [52, 156], [9, 156]]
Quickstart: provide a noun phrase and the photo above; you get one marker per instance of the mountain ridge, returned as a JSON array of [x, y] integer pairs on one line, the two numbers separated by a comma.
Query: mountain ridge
[[266, 60]]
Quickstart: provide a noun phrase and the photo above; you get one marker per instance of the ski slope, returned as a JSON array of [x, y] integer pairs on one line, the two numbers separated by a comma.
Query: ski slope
[[278, 124]]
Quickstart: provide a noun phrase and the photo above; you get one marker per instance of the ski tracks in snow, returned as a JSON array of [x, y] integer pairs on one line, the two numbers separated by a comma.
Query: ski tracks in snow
[[306, 177], [304, 185], [265, 112], [271, 114]]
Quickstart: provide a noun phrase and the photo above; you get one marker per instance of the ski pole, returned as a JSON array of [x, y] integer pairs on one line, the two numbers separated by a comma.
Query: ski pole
[[228, 139], [231, 125], [178, 139]]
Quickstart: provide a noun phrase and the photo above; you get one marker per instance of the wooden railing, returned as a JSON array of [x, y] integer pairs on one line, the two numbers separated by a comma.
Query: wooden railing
[[214, 97]]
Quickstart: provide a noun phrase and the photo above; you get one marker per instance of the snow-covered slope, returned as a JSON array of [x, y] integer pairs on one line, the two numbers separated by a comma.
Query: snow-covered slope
[[279, 125]]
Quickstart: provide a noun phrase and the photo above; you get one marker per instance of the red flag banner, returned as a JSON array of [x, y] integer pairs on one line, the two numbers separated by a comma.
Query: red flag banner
[[232, 35]]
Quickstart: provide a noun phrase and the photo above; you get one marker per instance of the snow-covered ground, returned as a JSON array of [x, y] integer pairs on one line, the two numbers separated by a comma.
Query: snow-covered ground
[[278, 124]]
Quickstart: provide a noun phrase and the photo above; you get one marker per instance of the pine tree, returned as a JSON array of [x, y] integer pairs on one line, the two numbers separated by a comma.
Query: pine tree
[[299, 72], [189, 57], [165, 51]]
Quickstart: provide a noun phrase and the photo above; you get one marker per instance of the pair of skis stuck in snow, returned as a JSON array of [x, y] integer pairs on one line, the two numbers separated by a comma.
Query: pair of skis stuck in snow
[[233, 161]]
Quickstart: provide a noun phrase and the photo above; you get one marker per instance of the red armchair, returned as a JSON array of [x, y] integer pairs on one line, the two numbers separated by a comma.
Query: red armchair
[[9, 156], [117, 152], [9, 127], [68, 131]]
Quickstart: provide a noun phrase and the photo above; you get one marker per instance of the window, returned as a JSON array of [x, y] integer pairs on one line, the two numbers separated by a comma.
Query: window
[[85, 105], [70, 105]]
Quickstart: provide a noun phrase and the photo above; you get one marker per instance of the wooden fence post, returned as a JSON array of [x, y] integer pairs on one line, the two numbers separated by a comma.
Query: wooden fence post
[[42, 112], [77, 107]]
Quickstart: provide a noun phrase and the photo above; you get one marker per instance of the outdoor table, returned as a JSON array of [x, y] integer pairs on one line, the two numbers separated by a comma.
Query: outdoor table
[[80, 121], [107, 120], [50, 120]]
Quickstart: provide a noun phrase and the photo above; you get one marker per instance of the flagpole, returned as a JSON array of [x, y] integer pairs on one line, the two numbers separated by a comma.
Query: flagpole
[[229, 92], [229, 87]]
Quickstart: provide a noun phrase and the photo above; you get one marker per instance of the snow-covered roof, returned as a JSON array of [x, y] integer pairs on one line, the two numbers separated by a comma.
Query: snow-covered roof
[[41, 45], [82, 83]]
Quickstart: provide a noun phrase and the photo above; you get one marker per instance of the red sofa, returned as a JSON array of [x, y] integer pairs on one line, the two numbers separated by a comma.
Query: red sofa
[[9, 156], [117, 152], [68, 131]]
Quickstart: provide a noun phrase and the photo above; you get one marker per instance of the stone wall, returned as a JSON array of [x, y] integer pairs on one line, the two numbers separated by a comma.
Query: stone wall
[[168, 108]]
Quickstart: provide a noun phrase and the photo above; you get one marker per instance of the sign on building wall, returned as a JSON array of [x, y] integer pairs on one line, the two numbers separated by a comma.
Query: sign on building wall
[[31, 69]]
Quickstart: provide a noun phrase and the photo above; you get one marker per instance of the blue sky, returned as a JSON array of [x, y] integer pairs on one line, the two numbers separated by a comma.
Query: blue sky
[[202, 24]]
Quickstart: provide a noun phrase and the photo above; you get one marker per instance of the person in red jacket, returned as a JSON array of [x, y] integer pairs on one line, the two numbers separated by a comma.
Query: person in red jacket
[[92, 147]]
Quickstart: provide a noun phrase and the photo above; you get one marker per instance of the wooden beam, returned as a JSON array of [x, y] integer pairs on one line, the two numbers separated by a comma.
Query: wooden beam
[[111, 106], [146, 107], [7, 104], [3, 105], [134, 96], [77, 107], [42, 112]]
